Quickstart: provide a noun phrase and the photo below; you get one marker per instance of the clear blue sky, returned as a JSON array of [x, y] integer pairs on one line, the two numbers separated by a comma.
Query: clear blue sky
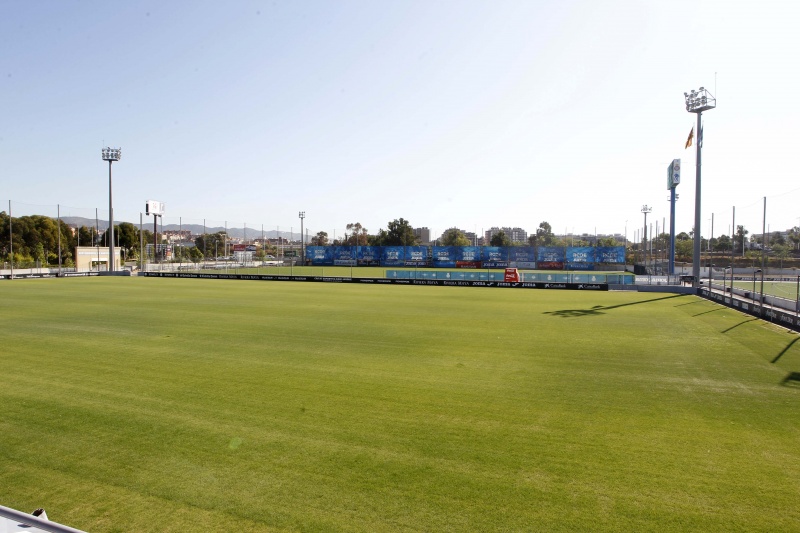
[[450, 113]]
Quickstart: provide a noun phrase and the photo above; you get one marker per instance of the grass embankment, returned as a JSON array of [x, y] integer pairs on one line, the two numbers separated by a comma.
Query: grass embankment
[[139, 404]]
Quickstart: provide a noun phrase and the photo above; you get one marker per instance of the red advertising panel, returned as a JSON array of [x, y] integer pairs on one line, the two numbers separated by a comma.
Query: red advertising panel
[[512, 274]]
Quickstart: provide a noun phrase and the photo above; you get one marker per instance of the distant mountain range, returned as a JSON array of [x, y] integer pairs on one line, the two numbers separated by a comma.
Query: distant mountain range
[[196, 229]]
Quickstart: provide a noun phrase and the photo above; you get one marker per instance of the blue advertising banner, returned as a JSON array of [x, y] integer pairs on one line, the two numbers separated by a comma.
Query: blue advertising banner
[[580, 254], [526, 254], [495, 254], [580, 266], [445, 256], [610, 254], [369, 255], [417, 256], [468, 253], [550, 254], [320, 255], [392, 256], [344, 255]]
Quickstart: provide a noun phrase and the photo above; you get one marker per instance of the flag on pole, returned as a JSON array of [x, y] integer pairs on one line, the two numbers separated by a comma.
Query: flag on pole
[[689, 140]]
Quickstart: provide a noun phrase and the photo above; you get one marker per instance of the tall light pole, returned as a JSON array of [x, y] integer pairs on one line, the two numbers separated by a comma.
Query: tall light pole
[[111, 155], [645, 211], [302, 215], [756, 271], [724, 280], [797, 301], [697, 102]]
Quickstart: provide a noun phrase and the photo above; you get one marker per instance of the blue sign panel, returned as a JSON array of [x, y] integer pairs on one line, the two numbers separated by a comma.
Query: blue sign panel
[[525, 254], [445, 256], [416, 255], [580, 266], [344, 255], [369, 255], [580, 254], [495, 254], [610, 254], [320, 255], [550, 254], [392, 256], [468, 253]]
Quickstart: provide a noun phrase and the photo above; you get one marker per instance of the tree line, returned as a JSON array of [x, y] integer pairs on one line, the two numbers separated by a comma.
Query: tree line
[[399, 232], [35, 240]]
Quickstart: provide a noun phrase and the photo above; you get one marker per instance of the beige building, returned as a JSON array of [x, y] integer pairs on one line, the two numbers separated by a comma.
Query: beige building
[[95, 258]]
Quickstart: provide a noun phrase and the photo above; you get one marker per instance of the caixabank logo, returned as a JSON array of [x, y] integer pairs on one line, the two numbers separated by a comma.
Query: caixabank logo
[[590, 286]]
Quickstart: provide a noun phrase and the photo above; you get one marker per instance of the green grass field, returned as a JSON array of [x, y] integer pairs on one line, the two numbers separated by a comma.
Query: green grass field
[[783, 289], [144, 404]]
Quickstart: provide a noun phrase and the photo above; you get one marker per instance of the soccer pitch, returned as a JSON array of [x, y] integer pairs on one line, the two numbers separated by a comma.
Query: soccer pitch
[[782, 289], [144, 404]]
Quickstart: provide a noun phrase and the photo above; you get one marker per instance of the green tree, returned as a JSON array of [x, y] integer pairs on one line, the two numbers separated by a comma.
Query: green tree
[[39, 254], [212, 243], [724, 243], [85, 236], [128, 235], [320, 239], [379, 239], [358, 234], [400, 233], [794, 236], [500, 239], [684, 249], [777, 238], [741, 233], [781, 252], [454, 237], [544, 234]]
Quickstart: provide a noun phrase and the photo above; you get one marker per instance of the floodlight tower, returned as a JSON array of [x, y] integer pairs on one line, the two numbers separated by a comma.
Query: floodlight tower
[[302, 215], [673, 180], [645, 211], [697, 102], [111, 155]]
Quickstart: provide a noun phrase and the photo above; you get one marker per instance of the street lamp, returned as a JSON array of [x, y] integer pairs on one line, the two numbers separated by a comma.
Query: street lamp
[[697, 102], [302, 215], [645, 210], [111, 155]]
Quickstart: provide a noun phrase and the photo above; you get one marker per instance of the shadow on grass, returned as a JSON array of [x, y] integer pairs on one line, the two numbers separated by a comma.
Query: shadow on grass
[[792, 379], [786, 350], [600, 309], [739, 324], [712, 311], [691, 303]]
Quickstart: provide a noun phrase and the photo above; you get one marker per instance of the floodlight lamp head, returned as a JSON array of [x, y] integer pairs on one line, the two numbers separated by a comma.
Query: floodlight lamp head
[[111, 154], [699, 101]]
